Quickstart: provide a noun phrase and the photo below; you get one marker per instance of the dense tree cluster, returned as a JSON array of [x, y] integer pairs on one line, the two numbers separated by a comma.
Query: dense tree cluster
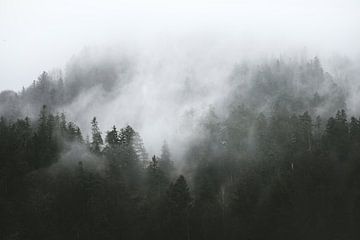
[[42, 196], [281, 164], [282, 176], [288, 177]]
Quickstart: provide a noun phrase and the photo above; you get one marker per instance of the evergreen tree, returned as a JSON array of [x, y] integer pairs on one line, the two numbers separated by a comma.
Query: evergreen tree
[[177, 207], [112, 138], [139, 148], [97, 141], [156, 179], [337, 135]]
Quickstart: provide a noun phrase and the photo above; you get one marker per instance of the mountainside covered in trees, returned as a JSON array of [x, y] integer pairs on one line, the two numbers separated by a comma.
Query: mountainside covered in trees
[[277, 159], [93, 85]]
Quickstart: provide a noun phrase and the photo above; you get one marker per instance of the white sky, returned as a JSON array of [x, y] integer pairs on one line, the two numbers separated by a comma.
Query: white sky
[[37, 35]]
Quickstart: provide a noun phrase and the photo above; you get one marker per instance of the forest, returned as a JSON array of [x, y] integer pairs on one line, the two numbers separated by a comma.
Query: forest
[[282, 162]]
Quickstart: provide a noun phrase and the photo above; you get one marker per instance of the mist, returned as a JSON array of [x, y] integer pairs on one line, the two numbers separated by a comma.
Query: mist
[[41, 35], [182, 120], [169, 45]]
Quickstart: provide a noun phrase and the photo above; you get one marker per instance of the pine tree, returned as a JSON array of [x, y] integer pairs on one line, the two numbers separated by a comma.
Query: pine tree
[[46, 146], [177, 207], [337, 135], [139, 148], [306, 129], [112, 138], [97, 140], [156, 180]]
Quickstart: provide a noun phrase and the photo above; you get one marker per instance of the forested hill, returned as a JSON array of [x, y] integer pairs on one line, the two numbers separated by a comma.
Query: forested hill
[[280, 163], [57, 90], [296, 85]]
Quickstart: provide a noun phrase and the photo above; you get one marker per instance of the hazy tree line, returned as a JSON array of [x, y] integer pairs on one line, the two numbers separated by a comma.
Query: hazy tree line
[[56, 89], [281, 173], [300, 85]]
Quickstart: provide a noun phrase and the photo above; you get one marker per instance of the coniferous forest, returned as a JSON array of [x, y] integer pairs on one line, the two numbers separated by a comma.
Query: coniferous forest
[[282, 162]]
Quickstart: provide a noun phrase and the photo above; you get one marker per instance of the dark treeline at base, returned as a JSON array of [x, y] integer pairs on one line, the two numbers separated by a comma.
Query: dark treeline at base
[[288, 178]]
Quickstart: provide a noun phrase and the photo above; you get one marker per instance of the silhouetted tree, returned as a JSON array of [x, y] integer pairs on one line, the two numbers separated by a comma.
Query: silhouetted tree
[[97, 140]]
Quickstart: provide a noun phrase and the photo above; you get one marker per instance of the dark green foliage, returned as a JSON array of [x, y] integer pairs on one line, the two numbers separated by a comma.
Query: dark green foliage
[[176, 210], [252, 177], [337, 135], [285, 173]]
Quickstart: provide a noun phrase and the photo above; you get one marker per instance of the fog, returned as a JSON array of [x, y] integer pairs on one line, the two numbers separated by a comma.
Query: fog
[[40, 35], [180, 55], [234, 119]]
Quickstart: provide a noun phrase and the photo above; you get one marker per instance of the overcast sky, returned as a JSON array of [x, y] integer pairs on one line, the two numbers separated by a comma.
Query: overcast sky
[[37, 35]]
